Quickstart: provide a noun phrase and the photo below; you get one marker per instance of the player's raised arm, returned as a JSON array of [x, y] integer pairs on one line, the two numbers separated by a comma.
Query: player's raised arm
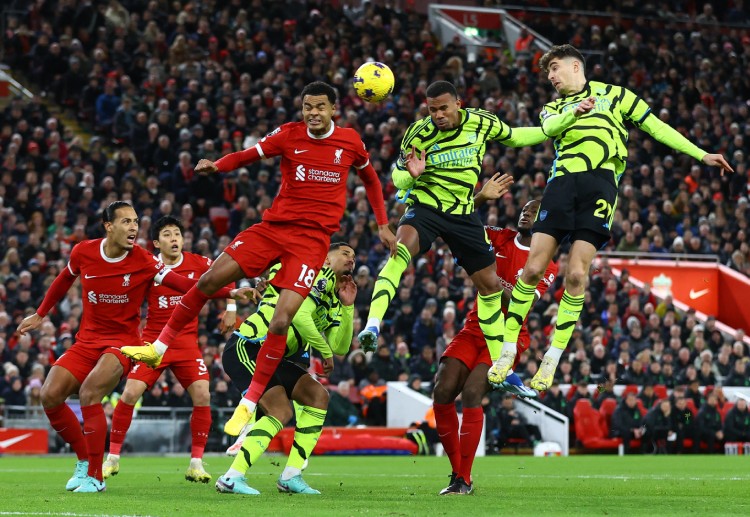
[[374, 191], [641, 115], [340, 336], [495, 188], [555, 123], [183, 284]]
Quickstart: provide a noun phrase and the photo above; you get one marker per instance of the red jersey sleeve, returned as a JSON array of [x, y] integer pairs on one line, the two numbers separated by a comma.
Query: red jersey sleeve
[[548, 279], [74, 264], [363, 157], [274, 143]]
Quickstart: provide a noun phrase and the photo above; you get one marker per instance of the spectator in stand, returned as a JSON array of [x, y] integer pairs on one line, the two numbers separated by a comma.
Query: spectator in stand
[[647, 396], [737, 423], [687, 428], [627, 422], [555, 399], [661, 429], [341, 410], [709, 424], [739, 376]]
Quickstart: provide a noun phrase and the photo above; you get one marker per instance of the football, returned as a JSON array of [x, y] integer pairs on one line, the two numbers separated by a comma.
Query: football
[[373, 81]]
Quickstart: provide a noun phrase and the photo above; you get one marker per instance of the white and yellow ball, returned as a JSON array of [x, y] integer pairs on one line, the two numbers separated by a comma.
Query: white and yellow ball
[[373, 81]]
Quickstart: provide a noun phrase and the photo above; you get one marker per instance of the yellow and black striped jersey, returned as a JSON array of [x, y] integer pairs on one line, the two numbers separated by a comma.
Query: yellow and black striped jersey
[[599, 139], [454, 158]]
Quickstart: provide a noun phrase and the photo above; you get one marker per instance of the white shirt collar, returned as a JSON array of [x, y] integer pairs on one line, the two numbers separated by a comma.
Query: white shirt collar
[[321, 137], [106, 258]]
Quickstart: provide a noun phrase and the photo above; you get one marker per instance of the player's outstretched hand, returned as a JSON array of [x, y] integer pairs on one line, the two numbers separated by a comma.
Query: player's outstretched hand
[[245, 294], [585, 106], [29, 323], [228, 321], [205, 167], [387, 238], [347, 291], [717, 160], [415, 162], [497, 186], [327, 366]]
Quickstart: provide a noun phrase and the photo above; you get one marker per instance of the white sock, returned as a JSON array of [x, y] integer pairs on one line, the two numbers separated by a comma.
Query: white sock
[[373, 322], [509, 347], [249, 403], [196, 463], [289, 473], [231, 473], [160, 347], [113, 457], [554, 353]]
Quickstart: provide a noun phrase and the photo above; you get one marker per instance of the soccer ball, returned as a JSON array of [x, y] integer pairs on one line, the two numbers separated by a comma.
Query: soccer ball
[[373, 82]]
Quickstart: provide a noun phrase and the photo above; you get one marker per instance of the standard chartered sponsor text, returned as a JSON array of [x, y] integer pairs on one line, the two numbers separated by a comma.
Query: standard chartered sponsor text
[[113, 298], [324, 176]]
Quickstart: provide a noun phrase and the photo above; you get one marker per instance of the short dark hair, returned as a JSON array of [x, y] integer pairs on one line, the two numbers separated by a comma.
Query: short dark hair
[[558, 52], [109, 213], [439, 88], [338, 244], [167, 220], [319, 88]]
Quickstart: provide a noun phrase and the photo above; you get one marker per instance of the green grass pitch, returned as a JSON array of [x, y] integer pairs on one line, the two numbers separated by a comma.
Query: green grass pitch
[[506, 486]]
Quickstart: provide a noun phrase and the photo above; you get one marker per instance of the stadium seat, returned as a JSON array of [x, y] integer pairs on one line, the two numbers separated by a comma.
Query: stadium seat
[[607, 409], [661, 391], [691, 406], [724, 410], [591, 429], [571, 392], [630, 388], [219, 219], [643, 409]]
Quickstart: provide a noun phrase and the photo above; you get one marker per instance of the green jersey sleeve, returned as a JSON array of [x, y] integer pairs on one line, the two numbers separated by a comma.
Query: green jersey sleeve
[[339, 333]]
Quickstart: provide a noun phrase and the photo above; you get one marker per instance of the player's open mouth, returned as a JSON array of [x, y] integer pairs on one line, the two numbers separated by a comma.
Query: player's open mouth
[[175, 247], [131, 239]]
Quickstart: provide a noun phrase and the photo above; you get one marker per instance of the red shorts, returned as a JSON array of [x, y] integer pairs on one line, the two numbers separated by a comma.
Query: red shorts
[[81, 358], [183, 358], [470, 347], [301, 250]]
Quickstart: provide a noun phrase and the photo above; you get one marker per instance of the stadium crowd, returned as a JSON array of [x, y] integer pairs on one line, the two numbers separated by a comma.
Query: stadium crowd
[[163, 84]]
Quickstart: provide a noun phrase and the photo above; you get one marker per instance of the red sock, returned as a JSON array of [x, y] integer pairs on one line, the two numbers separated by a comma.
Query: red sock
[[271, 354], [120, 425], [200, 425], [471, 432], [95, 432], [186, 311], [446, 420], [66, 423]]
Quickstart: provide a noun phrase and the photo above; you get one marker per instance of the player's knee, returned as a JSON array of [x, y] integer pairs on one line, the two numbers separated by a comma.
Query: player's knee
[[52, 396], [443, 392], [280, 324], [471, 396], [532, 273], [90, 394], [575, 279], [131, 395], [209, 283], [283, 414], [201, 397]]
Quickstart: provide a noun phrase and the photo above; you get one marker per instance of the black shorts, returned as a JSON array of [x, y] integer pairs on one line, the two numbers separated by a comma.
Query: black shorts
[[239, 360], [579, 206], [464, 234]]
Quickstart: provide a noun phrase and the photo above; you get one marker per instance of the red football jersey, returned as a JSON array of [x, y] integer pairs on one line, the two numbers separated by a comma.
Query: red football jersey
[[112, 289], [510, 257], [162, 300], [314, 173]]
